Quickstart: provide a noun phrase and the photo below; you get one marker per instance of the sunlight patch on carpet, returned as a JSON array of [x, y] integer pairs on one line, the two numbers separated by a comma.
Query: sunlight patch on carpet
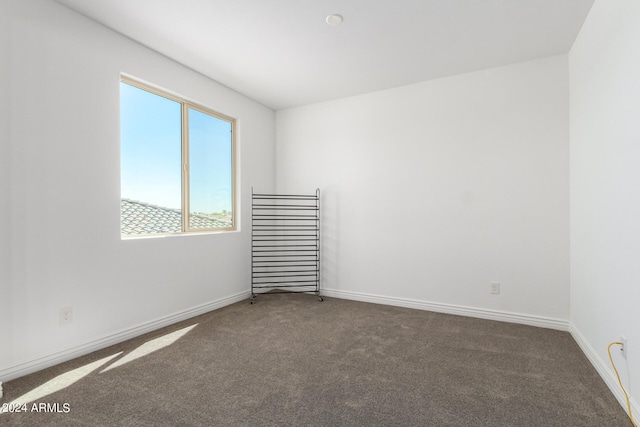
[[58, 383], [151, 346]]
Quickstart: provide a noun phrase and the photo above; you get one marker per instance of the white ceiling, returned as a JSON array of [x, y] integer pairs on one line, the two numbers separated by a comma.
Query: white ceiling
[[283, 54]]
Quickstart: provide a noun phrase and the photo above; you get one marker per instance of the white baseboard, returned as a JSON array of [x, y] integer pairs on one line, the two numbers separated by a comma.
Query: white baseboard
[[603, 369], [502, 316], [26, 367]]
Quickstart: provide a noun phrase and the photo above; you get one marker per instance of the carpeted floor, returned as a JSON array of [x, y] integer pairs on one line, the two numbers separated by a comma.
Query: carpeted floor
[[291, 360]]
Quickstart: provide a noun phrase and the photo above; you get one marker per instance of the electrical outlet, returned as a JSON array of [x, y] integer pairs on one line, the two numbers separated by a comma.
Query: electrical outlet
[[495, 288], [66, 315], [623, 347]]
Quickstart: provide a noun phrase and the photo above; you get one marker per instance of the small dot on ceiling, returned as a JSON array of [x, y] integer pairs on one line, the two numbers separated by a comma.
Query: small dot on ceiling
[[334, 20]]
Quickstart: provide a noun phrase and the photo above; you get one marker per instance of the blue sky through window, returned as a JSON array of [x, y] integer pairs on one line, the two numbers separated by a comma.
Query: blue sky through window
[[151, 153], [210, 163]]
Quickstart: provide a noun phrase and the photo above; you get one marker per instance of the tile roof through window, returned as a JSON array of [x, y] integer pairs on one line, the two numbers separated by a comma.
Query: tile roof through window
[[140, 218]]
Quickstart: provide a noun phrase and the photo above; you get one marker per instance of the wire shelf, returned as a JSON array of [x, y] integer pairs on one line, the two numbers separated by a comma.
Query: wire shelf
[[285, 243]]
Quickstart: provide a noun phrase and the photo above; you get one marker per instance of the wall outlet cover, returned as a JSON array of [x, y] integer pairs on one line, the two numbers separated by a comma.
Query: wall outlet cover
[[623, 347], [66, 315], [495, 288]]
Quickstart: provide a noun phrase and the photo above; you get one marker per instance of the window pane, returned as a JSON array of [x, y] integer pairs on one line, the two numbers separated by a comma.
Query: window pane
[[210, 171], [151, 159]]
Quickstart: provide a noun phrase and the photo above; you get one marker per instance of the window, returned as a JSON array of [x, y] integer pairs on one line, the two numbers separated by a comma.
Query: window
[[176, 164]]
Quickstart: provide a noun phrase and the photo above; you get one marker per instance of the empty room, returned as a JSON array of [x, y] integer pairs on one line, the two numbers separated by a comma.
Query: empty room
[[475, 169]]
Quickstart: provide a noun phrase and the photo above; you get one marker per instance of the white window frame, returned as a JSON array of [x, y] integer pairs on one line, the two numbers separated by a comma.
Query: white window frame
[[185, 106]]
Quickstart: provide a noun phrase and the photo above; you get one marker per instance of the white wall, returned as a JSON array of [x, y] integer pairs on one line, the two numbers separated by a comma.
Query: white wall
[[65, 192], [605, 189], [433, 190], [5, 189]]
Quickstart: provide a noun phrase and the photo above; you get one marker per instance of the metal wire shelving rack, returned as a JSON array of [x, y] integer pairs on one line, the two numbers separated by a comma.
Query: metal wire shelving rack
[[285, 243]]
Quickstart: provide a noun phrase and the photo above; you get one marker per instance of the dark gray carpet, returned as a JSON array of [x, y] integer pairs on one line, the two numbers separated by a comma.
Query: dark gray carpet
[[291, 360]]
